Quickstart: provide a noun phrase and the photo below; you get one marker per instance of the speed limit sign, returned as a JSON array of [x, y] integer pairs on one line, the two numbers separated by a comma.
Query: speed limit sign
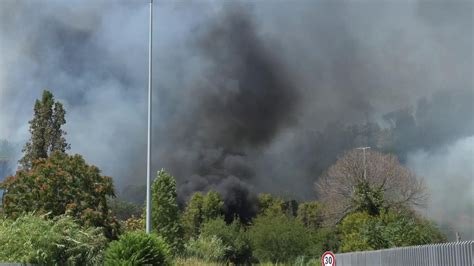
[[328, 259]]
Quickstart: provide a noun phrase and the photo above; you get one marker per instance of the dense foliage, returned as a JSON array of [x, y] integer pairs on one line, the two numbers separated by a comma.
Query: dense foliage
[[362, 231], [61, 184], [212, 206], [233, 236], [311, 214], [59, 241], [278, 238], [192, 216], [270, 204], [201, 209], [165, 211], [138, 248]]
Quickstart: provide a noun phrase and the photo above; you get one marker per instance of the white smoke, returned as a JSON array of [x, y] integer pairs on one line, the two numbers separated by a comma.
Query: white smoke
[[449, 174]]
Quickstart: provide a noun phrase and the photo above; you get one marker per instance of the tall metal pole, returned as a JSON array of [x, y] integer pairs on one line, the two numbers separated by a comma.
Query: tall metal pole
[[148, 148], [365, 167]]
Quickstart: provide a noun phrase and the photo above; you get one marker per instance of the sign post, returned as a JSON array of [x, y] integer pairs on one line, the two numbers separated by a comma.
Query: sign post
[[328, 259]]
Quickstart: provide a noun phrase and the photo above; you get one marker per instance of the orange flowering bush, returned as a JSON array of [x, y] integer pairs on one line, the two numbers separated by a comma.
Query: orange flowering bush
[[61, 184]]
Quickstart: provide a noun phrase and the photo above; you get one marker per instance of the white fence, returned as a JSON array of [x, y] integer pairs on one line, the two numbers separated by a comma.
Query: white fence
[[447, 254]]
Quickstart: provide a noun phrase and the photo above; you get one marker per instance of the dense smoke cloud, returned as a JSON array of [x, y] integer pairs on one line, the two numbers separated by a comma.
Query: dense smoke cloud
[[249, 97]]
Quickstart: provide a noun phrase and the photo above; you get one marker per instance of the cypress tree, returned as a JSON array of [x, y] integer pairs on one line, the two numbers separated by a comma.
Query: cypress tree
[[47, 135], [165, 211]]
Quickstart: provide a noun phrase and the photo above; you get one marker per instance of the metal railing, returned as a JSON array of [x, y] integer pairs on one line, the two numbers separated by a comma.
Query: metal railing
[[446, 254]]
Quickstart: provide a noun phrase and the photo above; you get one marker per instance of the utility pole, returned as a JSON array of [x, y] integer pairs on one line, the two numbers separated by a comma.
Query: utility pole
[[148, 148], [365, 167]]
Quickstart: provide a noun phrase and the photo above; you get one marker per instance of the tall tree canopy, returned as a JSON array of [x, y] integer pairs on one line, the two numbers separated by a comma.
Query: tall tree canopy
[[47, 135]]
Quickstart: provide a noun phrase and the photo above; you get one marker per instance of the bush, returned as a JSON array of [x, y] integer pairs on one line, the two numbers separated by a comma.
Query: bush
[[61, 184], [279, 238], [210, 249], [232, 235], [36, 240], [138, 248]]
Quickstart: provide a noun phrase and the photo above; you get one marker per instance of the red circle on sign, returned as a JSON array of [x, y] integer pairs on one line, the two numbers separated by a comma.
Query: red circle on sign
[[331, 262]]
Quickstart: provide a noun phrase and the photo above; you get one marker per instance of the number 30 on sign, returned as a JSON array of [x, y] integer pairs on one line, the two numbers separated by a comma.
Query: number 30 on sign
[[328, 259]]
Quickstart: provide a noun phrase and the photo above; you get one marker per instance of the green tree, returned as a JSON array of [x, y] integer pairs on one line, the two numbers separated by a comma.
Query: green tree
[[269, 204], [200, 209], [233, 236], [361, 231], [47, 135], [165, 211], [279, 238], [192, 216], [310, 214], [212, 206], [61, 184]]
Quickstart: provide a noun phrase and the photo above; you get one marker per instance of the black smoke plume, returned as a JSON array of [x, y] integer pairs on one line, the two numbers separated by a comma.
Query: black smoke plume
[[244, 100], [249, 97]]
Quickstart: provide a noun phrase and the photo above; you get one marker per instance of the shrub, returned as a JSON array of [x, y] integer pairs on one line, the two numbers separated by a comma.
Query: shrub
[[310, 214], [138, 248], [61, 241], [232, 235], [279, 238], [210, 249]]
